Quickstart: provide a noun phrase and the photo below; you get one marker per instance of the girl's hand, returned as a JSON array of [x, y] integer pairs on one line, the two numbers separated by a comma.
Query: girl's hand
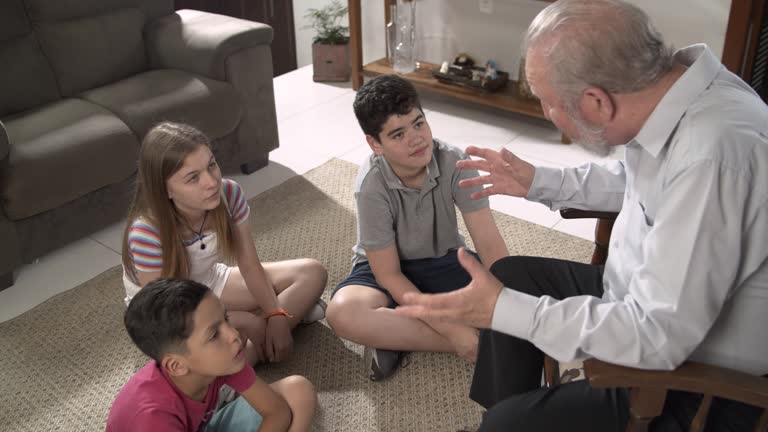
[[279, 341]]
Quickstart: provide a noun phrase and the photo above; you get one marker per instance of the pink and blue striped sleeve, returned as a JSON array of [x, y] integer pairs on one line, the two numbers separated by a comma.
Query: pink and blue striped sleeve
[[236, 203], [144, 244]]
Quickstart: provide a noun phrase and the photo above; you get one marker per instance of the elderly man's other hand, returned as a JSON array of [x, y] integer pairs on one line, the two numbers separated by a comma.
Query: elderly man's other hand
[[507, 173], [472, 305]]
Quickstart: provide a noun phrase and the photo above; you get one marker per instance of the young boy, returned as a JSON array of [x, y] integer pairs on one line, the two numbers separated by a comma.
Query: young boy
[[407, 236], [198, 370]]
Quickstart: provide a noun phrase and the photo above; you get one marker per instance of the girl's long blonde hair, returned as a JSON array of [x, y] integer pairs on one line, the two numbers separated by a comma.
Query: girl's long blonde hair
[[163, 151]]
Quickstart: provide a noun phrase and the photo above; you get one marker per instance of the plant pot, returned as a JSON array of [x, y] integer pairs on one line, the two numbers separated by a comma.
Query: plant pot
[[331, 62]]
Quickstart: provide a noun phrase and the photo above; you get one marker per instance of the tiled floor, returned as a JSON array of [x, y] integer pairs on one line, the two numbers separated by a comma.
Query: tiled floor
[[316, 123]]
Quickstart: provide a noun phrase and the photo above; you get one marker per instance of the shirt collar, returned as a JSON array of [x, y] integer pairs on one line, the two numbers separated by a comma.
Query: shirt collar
[[703, 67], [394, 182]]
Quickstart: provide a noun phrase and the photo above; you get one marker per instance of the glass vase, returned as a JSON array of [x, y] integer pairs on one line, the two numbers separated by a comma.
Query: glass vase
[[404, 50], [391, 34]]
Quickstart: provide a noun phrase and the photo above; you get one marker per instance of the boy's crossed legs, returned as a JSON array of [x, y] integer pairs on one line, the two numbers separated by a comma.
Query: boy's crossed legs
[[363, 315], [362, 311]]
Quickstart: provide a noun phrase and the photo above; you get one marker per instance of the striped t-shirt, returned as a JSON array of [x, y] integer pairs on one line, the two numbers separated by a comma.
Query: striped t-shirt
[[144, 239]]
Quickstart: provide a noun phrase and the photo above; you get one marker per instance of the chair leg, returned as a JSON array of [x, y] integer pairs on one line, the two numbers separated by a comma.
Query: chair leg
[[251, 167], [6, 280], [551, 371], [644, 405], [602, 240]]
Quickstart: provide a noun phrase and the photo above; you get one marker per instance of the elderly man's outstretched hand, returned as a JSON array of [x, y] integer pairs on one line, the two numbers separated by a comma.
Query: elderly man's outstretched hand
[[472, 305], [507, 173]]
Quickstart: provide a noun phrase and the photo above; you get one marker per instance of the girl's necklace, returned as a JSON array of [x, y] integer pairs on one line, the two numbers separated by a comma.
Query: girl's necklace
[[199, 233]]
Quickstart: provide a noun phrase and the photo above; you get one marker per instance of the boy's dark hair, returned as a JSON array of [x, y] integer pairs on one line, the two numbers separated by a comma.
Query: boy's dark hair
[[382, 97], [159, 318]]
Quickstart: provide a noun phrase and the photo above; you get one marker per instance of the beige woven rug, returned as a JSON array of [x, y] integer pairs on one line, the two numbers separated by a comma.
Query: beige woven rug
[[63, 362]]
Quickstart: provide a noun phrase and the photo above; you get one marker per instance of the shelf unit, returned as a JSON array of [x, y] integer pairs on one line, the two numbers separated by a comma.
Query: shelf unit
[[507, 99]]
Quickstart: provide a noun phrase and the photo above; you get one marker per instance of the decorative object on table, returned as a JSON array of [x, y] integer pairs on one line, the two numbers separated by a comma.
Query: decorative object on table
[[405, 37], [463, 60], [330, 48], [463, 72], [523, 87], [490, 70]]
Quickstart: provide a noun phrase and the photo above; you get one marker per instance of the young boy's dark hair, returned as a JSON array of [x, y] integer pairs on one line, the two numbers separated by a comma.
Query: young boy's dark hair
[[159, 318], [382, 97]]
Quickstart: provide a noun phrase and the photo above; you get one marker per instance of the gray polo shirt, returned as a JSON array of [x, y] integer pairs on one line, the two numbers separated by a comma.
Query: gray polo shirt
[[421, 222]]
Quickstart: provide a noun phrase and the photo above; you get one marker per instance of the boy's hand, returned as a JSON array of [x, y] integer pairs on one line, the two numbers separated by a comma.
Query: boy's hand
[[472, 305], [507, 173], [279, 341]]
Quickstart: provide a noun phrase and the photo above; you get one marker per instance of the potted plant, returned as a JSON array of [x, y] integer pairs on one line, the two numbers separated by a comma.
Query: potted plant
[[330, 47]]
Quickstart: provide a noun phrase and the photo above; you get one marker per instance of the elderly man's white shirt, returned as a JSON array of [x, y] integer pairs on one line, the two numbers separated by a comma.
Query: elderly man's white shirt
[[687, 270]]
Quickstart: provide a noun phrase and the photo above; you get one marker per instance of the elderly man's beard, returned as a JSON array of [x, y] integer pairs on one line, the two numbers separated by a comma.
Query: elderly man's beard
[[591, 138]]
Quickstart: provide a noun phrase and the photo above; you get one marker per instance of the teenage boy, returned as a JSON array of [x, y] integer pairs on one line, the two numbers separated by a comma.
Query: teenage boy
[[407, 238]]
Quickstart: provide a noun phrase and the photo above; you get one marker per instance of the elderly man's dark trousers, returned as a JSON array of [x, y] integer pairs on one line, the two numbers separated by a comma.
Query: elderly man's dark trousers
[[507, 378]]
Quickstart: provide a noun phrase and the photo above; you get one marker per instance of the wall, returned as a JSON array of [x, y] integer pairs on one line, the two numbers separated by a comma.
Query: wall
[[447, 27]]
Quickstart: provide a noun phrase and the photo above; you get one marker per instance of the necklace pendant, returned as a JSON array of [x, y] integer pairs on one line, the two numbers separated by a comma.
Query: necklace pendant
[[202, 245]]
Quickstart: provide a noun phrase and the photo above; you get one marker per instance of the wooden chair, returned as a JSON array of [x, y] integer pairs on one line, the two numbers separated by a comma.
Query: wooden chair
[[648, 388]]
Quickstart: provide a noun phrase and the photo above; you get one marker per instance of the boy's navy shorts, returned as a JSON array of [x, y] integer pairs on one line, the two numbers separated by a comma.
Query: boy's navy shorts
[[430, 275]]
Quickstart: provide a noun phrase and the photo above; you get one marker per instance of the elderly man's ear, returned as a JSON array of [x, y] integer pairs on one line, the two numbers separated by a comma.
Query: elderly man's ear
[[597, 106]]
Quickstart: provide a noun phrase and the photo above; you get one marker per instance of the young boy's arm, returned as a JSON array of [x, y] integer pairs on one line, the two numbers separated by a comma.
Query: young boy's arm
[[385, 264], [274, 410], [485, 234]]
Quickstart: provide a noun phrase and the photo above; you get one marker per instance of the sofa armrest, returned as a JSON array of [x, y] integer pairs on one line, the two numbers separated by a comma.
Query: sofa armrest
[[5, 145], [201, 42]]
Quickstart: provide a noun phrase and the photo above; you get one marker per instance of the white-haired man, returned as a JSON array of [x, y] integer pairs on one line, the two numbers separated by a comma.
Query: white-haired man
[[687, 271]]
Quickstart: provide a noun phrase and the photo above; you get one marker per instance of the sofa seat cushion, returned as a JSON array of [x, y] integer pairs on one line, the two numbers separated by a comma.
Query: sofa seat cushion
[[61, 152], [145, 99]]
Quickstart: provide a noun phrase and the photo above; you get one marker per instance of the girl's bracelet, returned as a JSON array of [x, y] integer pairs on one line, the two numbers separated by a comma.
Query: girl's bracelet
[[278, 312]]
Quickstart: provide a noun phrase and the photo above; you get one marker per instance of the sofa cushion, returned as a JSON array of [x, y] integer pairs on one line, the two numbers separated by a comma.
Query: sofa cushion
[[148, 98], [13, 20], [61, 152], [95, 50], [26, 78]]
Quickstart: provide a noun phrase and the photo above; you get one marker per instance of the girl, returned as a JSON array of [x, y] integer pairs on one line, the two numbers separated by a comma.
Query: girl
[[186, 221]]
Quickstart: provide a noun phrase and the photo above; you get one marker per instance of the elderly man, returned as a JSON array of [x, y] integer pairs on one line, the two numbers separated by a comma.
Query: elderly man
[[687, 272]]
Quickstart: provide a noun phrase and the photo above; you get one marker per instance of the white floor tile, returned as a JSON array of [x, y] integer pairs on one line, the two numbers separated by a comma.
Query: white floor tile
[[463, 126], [358, 155], [298, 160], [525, 210], [264, 179], [111, 236], [295, 92], [584, 228], [55, 273], [329, 129]]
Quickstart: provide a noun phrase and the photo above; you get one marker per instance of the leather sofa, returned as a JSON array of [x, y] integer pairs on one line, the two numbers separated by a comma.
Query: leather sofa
[[81, 82]]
